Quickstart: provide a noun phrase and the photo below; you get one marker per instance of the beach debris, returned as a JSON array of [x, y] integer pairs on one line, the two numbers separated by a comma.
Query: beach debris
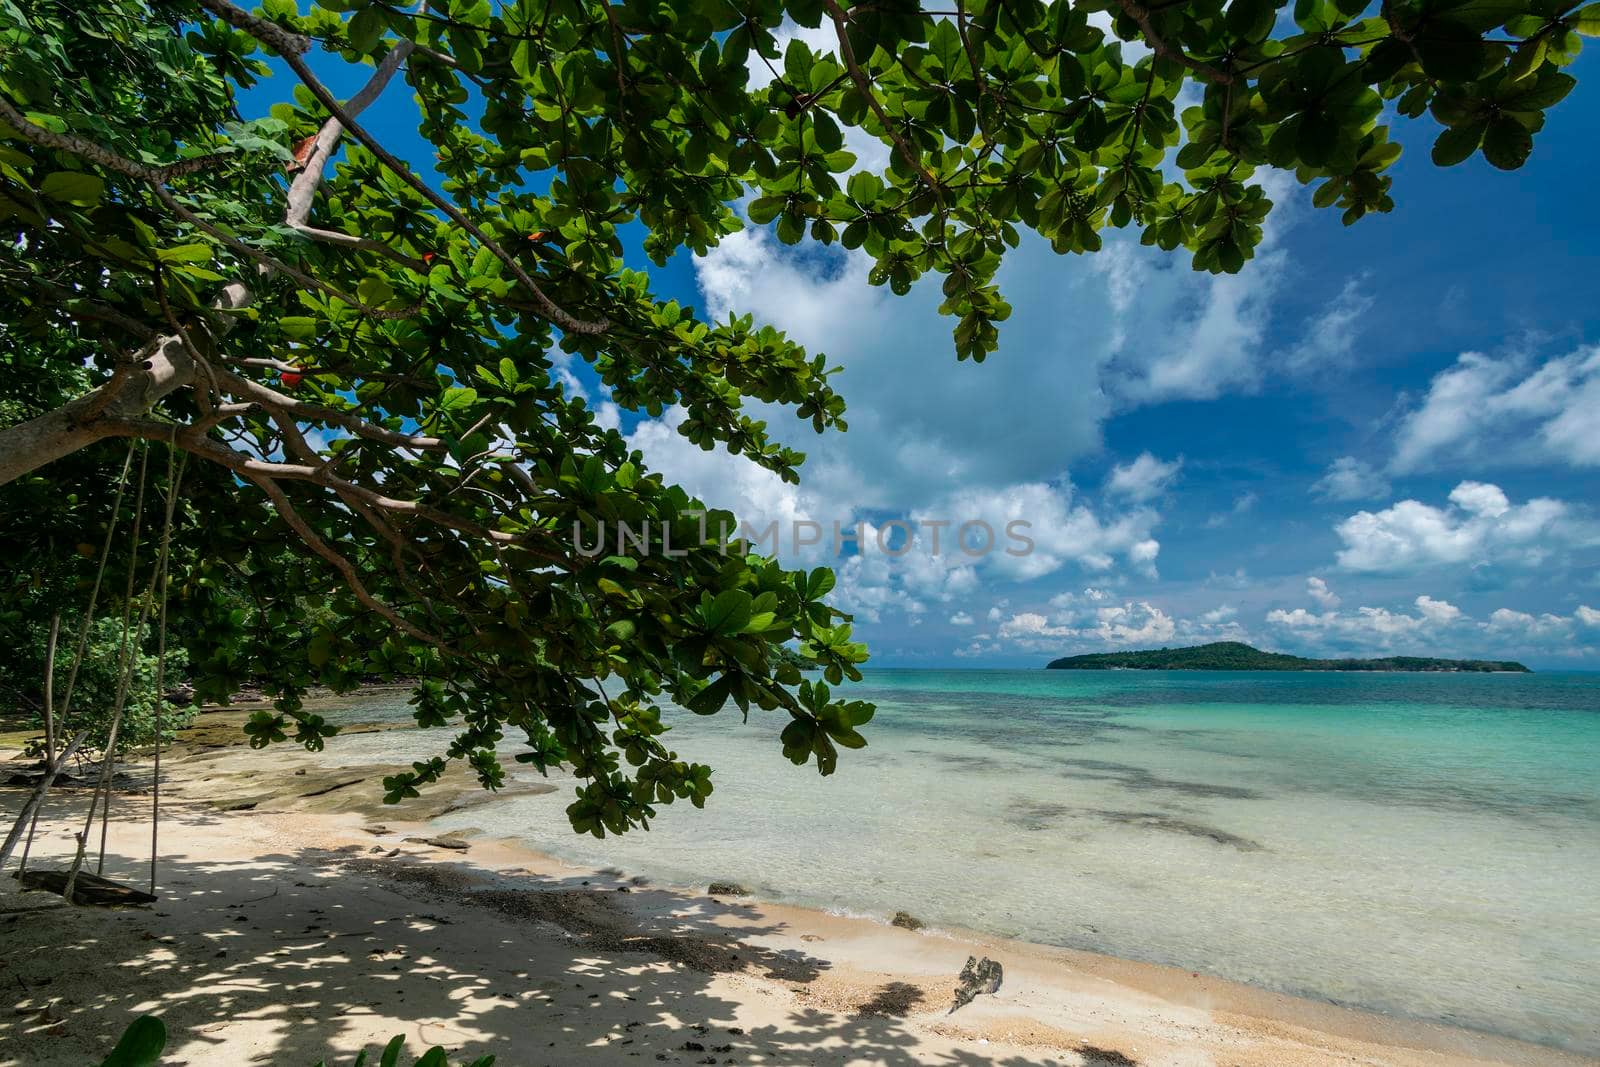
[[978, 976], [727, 889], [906, 921]]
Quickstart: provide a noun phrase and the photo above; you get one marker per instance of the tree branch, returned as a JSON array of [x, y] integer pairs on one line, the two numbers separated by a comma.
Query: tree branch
[[304, 188], [847, 52], [271, 398], [550, 309], [1140, 14], [347, 570]]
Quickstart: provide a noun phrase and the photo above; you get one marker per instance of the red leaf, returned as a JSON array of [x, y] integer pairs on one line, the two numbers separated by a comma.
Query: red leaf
[[302, 154]]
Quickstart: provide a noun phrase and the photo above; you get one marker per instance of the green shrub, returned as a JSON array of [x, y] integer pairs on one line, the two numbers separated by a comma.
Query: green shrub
[[95, 694]]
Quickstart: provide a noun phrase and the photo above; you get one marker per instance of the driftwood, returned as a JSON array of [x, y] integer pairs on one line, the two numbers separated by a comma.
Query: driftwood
[[90, 888], [978, 976]]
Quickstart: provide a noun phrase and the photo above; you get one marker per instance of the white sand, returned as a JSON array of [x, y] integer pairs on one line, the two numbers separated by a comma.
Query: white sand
[[293, 931]]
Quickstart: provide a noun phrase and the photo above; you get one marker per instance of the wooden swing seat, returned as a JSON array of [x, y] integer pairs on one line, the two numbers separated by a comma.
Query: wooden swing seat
[[90, 888]]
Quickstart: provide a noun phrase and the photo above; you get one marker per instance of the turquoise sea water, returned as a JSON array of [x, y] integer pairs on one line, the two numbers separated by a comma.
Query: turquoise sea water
[[1422, 845]]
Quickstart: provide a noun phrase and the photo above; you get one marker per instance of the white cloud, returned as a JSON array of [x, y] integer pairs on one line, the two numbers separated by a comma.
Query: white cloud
[[1371, 624], [1498, 411], [920, 421], [1242, 504], [1317, 589], [1587, 615], [1330, 337], [1521, 624], [1438, 612], [1146, 477], [1480, 498], [1349, 478], [961, 618], [1120, 625], [1480, 526]]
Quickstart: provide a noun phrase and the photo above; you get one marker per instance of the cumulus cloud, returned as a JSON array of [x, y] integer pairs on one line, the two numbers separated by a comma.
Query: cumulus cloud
[[1438, 612], [961, 618], [1133, 623], [1522, 624], [1368, 624], [1437, 627], [1349, 478], [1502, 411], [1143, 479], [1479, 525], [920, 421], [1317, 589]]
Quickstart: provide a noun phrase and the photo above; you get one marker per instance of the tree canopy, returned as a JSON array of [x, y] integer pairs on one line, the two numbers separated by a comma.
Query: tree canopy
[[356, 354]]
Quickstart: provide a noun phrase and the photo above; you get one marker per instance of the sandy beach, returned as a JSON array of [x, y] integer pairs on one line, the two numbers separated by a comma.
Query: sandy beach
[[300, 919]]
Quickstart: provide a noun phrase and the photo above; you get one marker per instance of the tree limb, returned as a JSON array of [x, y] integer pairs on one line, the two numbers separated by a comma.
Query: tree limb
[[304, 188], [847, 52], [554, 312], [347, 570], [1141, 14]]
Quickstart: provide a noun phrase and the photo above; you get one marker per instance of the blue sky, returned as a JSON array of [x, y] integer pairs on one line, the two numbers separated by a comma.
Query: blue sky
[[1382, 438]]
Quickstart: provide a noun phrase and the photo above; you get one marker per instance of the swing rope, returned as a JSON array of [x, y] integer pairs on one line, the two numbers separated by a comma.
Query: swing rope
[[175, 469], [36, 802], [127, 658]]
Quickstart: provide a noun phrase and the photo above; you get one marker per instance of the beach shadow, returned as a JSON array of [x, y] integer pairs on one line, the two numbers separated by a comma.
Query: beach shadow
[[893, 998], [308, 948]]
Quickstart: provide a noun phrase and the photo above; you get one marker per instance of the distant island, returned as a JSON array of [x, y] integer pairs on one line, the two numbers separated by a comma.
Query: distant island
[[1237, 656]]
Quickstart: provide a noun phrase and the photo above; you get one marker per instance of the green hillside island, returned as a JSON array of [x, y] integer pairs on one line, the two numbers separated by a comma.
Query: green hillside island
[[1237, 656]]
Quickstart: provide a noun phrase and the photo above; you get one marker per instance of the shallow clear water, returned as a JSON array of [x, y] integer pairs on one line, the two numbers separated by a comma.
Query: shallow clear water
[[1426, 845]]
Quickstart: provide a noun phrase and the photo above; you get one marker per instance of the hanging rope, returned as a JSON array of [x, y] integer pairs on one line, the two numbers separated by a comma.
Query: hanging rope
[[127, 661], [174, 480], [108, 756], [35, 803]]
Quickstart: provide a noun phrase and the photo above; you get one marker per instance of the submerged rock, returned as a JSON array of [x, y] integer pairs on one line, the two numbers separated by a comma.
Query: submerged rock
[[727, 889], [906, 921], [978, 976]]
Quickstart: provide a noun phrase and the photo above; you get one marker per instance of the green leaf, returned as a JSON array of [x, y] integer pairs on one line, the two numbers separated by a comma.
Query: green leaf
[[141, 1044], [1507, 144], [1457, 143], [710, 700], [366, 28], [192, 253], [820, 584], [728, 613], [1252, 20], [764, 209], [298, 327], [72, 187]]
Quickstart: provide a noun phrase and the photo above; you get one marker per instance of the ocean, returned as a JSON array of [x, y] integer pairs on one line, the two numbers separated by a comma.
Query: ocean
[[1425, 845]]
